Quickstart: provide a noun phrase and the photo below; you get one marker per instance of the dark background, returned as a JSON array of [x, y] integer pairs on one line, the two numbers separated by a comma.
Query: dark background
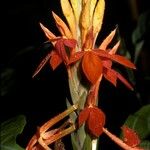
[[44, 96]]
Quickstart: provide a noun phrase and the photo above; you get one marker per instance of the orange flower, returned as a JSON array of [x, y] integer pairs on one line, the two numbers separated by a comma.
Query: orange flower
[[130, 137], [97, 62], [59, 54], [94, 120]]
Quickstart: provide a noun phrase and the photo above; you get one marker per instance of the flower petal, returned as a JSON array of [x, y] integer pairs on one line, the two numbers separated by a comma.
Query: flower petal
[[119, 59], [62, 27], [75, 57], [130, 137], [92, 66], [98, 17], [70, 17], [114, 49], [55, 60], [76, 5], [110, 75], [96, 121], [123, 80], [47, 32], [107, 40], [85, 20], [83, 116], [88, 44], [41, 65], [70, 43], [61, 50]]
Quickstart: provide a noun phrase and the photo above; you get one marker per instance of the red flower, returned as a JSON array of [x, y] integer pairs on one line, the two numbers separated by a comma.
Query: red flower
[[97, 62], [59, 54], [130, 137], [94, 120]]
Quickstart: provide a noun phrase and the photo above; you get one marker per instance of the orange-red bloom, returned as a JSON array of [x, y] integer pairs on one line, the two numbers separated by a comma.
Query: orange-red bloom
[[59, 54], [130, 137], [96, 62], [94, 120]]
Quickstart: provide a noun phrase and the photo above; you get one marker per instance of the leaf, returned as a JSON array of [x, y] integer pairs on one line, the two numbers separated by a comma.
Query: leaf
[[145, 144], [9, 131], [73, 115], [87, 143], [140, 122], [92, 66]]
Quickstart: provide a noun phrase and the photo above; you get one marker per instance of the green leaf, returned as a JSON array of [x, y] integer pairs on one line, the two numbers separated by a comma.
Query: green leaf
[[140, 122], [145, 144], [9, 131], [87, 143]]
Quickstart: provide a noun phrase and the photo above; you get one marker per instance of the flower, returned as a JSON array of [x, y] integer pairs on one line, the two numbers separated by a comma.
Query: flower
[[94, 120], [130, 137], [59, 54], [96, 61]]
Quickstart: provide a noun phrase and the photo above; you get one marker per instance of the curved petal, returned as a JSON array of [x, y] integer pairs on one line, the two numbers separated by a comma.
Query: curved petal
[[107, 40], [112, 76], [96, 121], [70, 17], [70, 43], [55, 60], [62, 27], [61, 50], [115, 48], [119, 59], [47, 32], [91, 66], [130, 137], [98, 17], [123, 80]]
